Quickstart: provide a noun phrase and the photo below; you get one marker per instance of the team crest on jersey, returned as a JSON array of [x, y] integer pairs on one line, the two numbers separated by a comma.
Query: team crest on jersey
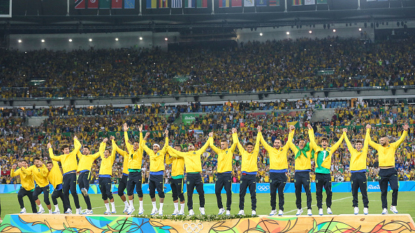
[[226, 152], [328, 149], [194, 153], [158, 153]]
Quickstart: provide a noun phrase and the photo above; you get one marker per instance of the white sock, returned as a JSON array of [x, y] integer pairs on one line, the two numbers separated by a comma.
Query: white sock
[[113, 206], [50, 211], [131, 203], [141, 204], [176, 206], [107, 205], [161, 206], [56, 208], [126, 204], [40, 207], [154, 204], [182, 207]]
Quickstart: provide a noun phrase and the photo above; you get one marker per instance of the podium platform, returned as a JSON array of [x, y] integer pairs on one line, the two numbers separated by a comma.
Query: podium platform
[[43, 223]]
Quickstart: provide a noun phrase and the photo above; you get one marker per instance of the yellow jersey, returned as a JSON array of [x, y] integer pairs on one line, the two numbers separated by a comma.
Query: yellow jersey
[[68, 161]]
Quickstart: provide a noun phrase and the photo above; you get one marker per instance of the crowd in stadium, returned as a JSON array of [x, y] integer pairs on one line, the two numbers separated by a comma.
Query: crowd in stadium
[[251, 67], [21, 141]]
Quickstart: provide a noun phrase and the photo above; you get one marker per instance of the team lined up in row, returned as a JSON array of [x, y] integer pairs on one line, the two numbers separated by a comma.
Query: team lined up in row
[[132, 180]]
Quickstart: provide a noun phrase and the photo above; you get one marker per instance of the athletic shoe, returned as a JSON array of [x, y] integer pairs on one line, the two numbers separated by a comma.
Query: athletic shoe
[[299, 212], [366, 211], [56, 212], [221, 211], [181, 212], [356, 210], [140, 211], [114, 211], [23, 211], [154, 211], [393, 209], [84, 192], [329, 211], [241, 212], [160, 212], [228, 213], [280, 213], [79, 211], [202, 210], [68, 211], [191, 213], [41, 211], [88, 212], [385, 211], [273, 212], [107, 213], [320, 212], [125, 211], [176, 212], [131, 210], [253, 213], [309, 212]]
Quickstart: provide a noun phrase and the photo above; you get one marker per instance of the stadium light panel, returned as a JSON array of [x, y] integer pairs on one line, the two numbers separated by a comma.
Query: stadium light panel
[[43, 41], [90, 40], [141, 38], [310, 31], [20, 41], [260, 34], [288, 33], [116, 39], [70, 40]]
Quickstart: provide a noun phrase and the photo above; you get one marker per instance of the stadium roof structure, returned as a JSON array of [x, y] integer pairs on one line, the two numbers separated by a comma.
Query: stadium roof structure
[[56, 16]]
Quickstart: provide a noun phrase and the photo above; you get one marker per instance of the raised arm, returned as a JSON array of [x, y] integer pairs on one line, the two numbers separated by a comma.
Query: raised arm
[[290, 135], [51, 155], [44, 170], [204, 147], [405, 133], [338, 143], [212, 144], [349, 145], [174, 153], [262, 140], [77, 144], [313, 144], [233, 147], [291, 144], [256, 148], [367, 139], [238, 144], [126, 139], [118, 150], [14, 172], [166, 142], [144, 145], [101, 149], [372, 143], [79, 154]]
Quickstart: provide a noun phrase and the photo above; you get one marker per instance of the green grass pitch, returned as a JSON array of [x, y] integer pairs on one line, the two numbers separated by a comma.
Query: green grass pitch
[[342, 204]]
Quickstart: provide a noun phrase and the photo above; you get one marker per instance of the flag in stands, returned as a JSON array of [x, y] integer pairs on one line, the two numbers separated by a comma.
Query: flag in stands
[[190, 3], [163, 4], [274, 2], [151, 4], [309, 2], [297, 2], [236, 3], [129, 4], [223, 3], [104, 4], [79, 4], [176, 4], [261, 2], [116, 4], [92, 4], [321, 1], [249, 3], [201, 3]]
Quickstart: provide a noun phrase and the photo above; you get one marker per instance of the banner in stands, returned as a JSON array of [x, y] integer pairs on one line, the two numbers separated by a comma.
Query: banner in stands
[[337, 187], [188, 118]]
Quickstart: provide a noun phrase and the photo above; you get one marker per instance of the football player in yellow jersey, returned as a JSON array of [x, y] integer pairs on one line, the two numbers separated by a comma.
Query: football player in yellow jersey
[[55, 178], [40, 174], [388, 173], [224, 169], [177, 179], [27, 188], [105, 174], [69, 166], [124, 180]]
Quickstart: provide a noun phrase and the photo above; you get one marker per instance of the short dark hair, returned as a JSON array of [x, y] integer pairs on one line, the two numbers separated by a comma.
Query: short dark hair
[[249, 144], [359, 141], [224, 140], [87, 147], [49, 162], [301, 139], [324, 139], [177, 145], [64, 146], [384, 136], [37, 158], [24, 161]]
